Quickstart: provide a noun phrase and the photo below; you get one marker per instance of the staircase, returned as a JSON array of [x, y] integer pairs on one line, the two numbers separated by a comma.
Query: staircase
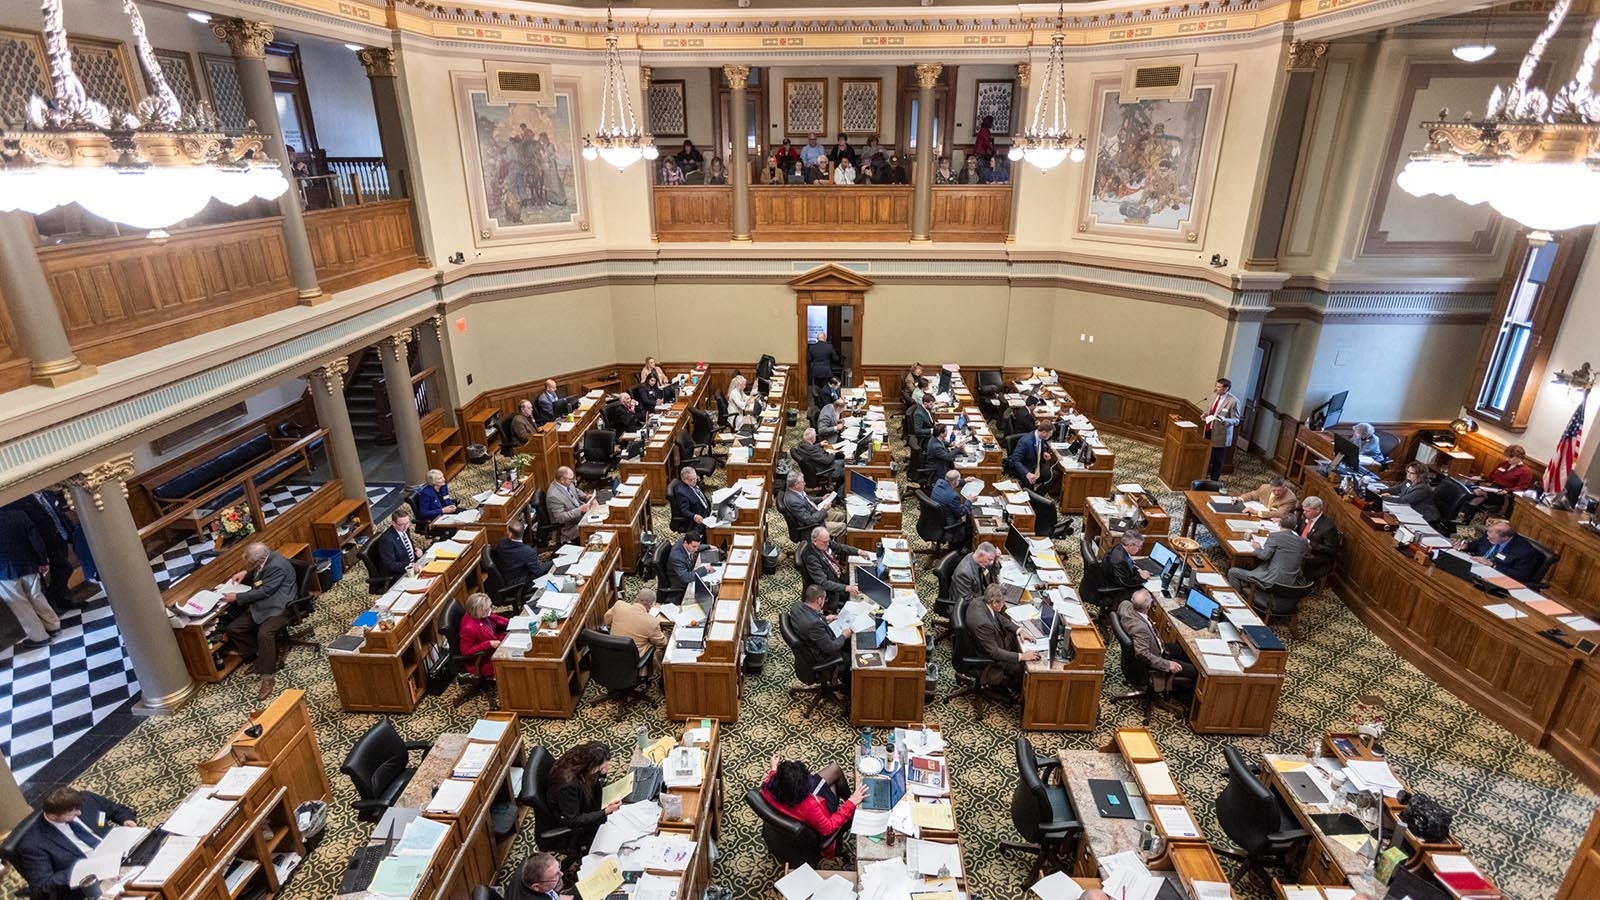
[[361, 398]]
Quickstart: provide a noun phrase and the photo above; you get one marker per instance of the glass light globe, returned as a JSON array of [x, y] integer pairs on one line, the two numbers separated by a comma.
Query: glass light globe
[[1077, 154], [650, 152], [621, 157], [590, 153], [1046, 158], [1473, 52], [1015, 153]]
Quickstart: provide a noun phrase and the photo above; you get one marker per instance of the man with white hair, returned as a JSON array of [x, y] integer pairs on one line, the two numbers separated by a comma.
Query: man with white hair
[[975, 572], [825, 562], [815, 457], [798, 508], [566, 505], [254, 631]]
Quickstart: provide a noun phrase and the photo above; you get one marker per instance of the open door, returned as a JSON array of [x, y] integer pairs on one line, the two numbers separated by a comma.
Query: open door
[[830, 303]]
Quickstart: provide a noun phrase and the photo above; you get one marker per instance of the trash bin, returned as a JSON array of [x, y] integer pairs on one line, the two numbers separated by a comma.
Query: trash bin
[[755, 646], [329, 566]]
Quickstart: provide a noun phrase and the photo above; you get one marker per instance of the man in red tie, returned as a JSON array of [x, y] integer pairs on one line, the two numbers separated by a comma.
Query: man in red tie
[[1319, 530], [1220, 418]]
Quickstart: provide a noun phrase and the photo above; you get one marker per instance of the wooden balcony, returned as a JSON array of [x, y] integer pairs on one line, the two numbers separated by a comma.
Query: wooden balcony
[[832, 213]]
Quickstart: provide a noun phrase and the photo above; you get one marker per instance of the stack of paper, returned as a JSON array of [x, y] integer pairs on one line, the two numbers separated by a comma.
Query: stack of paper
[[449, 796], [489, 730], [1156, 779], [473, 760], [930, 858], [197, 816], [237, 781]]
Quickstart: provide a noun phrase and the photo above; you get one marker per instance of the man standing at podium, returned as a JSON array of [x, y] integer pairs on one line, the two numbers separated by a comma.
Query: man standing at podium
[[1221, 415]]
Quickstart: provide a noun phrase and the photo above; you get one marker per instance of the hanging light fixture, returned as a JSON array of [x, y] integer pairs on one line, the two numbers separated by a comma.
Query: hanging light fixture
[[1048, 141], [1533, 158], [149, 167], [618, 140], [1467, 51]]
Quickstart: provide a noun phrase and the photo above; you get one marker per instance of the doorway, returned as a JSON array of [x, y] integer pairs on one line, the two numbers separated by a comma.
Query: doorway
[[830, 306], [836, 327]]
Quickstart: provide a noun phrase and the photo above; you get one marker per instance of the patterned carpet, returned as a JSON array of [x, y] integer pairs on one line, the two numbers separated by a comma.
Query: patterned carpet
[[1519, 813]]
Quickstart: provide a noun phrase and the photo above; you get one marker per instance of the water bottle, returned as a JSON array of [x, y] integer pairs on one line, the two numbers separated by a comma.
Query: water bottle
[[866, 742], [641, 737]]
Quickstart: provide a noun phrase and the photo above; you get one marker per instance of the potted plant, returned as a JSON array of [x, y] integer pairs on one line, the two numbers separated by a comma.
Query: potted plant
[[518, 463]]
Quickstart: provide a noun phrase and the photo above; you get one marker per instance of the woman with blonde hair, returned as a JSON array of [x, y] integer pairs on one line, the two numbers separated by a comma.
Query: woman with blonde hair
[[482, 630], [741, 406]]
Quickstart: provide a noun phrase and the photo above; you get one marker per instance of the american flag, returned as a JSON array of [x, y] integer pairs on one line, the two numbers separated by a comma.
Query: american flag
[[1566, 455]]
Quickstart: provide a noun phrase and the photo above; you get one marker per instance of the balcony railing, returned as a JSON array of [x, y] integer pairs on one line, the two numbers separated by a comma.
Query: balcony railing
[[819, 212]]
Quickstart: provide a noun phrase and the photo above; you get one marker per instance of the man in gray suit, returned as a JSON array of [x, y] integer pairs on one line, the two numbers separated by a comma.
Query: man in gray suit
[[1169, 668], [1283, 554], [254, 632], [1221, 415], [828, 420], [799, 510], [565, 505], [975, 573], [996, 636]]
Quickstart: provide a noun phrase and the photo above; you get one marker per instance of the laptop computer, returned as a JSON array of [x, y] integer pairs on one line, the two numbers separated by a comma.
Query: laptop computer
[[1459, 566], [1156, 562], [1196, 611], [1304, 787], [863, 487], [884, 791], [872, 640], [647, 782]]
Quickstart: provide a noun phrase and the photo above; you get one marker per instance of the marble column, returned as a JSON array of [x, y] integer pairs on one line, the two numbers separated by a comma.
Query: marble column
[[1023, 71], [248, 41], [382, 77], [645, 74], [403, 406], [739, 152], [922, 194], [100, 498], [433, 348], [327, 395], [34, 317], [13, 806]]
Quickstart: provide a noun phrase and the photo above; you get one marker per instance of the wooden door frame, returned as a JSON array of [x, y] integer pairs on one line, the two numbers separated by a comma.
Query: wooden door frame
[[831, 285]]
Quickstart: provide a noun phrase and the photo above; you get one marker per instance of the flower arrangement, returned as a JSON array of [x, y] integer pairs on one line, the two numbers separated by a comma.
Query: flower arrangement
[[234, 523]]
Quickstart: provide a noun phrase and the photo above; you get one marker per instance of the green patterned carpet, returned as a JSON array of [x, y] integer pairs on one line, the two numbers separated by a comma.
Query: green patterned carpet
[[1519, 813]]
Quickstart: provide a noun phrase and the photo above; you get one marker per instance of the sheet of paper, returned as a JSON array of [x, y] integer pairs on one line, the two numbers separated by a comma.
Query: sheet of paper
[[1057, 886], [726, 611], [449, 796], [605, 878], [174, 851], [936, 816], [1505, 611], [473, 759], [1211, 579], [489, 730], [1241, 546], [834, 888], [1580, 623], [397, 876], [237, 781], [421, 836], [197, 816], [1155, 778], [1175, 820], [870, 822], [799, 884], [1374, 774], [617, 789], [1227, 598], [1213, 646], [1221, 663], [722, 631], [929, 858], [901, 634]]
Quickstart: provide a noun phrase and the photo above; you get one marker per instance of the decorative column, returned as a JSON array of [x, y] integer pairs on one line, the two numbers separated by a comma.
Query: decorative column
[[1023, 71], [380, 64], [100, 498], [327, 395], [922, 195], [739, 153], [645, 74], [1291, 104], [433, 347], [403, 406], [248, 42], [40, 335]]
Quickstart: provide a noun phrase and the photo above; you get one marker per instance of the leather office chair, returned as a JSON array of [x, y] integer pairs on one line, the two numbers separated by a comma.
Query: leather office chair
[[703, 463], [1134, 672], [1258, 821], [1548, 558], [609, 414], [819, 679], [379, 767], [970, 665], [547, 835], [376, 583], [616, 663], [1047, 519], [798, 533], [543, 530], [818, 480], [9, 855], [702, 430], [988, 385], [597, 453], [296, 612], [1451, 498], [1093, 588], [933, 526], [1207, 485], [944, 606], [464, 667], [723, 421], [790, 841], [1043, 814], [1279, 601], [503, 594], [487, 892]]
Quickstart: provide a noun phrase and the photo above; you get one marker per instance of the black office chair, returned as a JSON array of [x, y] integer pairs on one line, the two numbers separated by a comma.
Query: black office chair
[[1452, 499], [10, 856], [703, 463], [970, 665], [944, 606], [798, 532], [1047, 519], [465, 668], [376, 583], [1207, 485], [819, 480], [680, 524], [789, 841], [597, 454], [723, 421], [609, 414], [543, 530], [987, 386], [297, 612], [820, 679], [379, 768], [616, 664], [547, 835], [1042, 813], [1258, 821], [503, 594], [1279, 601], [487, 892], [1548, 558], [1093, 587], [933, 526]]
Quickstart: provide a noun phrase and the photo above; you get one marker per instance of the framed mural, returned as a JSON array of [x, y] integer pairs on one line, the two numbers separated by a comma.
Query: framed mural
[[668, 110], [996, 98], [524, 172], [1154, 163], [860, 106], [805, 106]]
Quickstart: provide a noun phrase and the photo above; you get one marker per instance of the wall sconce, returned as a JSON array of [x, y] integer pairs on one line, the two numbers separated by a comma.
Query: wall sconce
[[1579, 379]]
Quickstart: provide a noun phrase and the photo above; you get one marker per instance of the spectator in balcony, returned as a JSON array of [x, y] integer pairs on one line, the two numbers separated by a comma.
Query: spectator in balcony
[[717, 174], [786, 155], [797, 174], [773, 172], [845, 173], [871, 149], [811, 153], [998, 170], [871, 171], [842, 151], [983, 141], [823, 172], [944, 175], [299, 166], [895, 171], [670, 173], [970, 174], [689, 159]]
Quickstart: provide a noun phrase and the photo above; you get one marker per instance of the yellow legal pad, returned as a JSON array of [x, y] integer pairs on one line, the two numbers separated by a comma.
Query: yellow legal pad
[[933, 816], [437, 567]]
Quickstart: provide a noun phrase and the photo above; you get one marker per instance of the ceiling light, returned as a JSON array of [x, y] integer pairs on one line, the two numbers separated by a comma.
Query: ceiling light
[[1047, 144], [1473, 52], [618, 140], [355, 47], [198, 16]]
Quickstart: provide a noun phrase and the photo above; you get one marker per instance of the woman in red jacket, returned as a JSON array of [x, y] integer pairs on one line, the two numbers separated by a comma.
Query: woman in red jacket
[[812, 798], [481, 630], [1512, 476]]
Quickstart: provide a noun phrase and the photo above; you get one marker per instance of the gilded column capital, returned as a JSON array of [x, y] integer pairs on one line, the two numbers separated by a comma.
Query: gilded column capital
[[332, 374], [1305, 56], [247, 39], [645, 74], [92, 479], [378, 61], [1024, 70], [928, 74], [398, 341], [437, 321], [738, 76]]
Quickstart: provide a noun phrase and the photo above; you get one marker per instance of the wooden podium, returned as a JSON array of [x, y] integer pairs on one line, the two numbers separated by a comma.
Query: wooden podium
[[1184, 452], [286, 745]]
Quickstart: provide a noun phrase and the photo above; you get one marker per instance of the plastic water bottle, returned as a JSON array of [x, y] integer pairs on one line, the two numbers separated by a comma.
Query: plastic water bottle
[[866, 742]]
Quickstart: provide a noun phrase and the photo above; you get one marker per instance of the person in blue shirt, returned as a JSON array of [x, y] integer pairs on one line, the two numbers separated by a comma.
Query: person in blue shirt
[[947, 496], [433, 498]]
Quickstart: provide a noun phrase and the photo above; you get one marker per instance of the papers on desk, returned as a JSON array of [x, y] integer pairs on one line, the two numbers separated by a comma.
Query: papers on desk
[[174, 850], [517, 641], [197, 816], [604, 878], [1057, 886], [630, 822], [1371, 775], [930, 858], [800, 884], [560, 604], [901, 614], [199, 605], [237, 781], [447, 549], [1227, 598], [1241, 546], [105, 862], [1127, 878], [1255, 506], [901, 634], [1505, 611], [1155, 778], [398, 875], [870, 822], [1241, 616], [1580, 623], [1221, 663], [414, 585], [1213, 646], [473, 760], [1211, 579], [1022, 612], [684, 767], [744, 540], [1243, 526], [489, 730], [723, 631], [449, 796], [726, 611], [1175, 820]]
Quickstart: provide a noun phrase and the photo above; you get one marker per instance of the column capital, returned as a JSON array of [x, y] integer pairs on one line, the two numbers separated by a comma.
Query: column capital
[[247, 39], [645, 73], [1024, 71], [397, 341], [1305, 56], [332, 374], [738, 76], [928, 74], [117, 468], [378, 61], [437, 321]]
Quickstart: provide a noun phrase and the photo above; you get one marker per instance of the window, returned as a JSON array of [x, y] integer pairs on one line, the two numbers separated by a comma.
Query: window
[[1532, 301]]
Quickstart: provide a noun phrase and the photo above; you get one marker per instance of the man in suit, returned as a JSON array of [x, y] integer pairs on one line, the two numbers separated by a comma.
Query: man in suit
[[638, 621], [433, 499], [48, 511], [1030, 460], [254, 632], [690, 506], [803, 515], [947, 496], [1322, 536], [940, 452], [919, 418], [538, 878], [398, 547], [1118, 565], [546, 403], [1222, 415], [1172, 670], [810, 625], [71, 824], [23, 567], [814, 457], [1508, 552], [976, 571], [565, 505], [821, 360], [518, 562], [683, 560], [521, 428], [824, 562], [1283, 552], [830, 419], [629, 417], [996, 636]]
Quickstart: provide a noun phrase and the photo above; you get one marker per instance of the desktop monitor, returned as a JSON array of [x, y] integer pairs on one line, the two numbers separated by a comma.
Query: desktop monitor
[[876, 589], [1162, 555], [863, 487], [1346, 449], [1335, 406], [944, 382], [703, 595], [961, 422], [1574, 489], [1017, 546], [1201, 604], [763, 386]]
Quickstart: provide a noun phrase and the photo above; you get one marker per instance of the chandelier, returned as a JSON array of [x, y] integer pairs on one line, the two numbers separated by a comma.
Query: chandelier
[[1047, 143], [148, 168], [618, 140], [1533, 158]]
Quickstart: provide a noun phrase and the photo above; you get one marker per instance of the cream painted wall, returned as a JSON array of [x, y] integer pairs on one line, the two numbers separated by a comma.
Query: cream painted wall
[[935, 324], [527, 338], [1165, 348], [725, 322], [1030, 326], [1394, 372], [966, 123]]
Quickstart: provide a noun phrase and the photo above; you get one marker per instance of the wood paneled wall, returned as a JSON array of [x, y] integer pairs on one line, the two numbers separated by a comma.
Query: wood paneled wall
[[829, 213], [1486, 451], [971, 212], [694, 213], [355, 245]]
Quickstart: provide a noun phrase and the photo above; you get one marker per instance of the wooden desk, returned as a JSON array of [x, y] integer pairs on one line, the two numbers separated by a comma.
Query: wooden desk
[[874, 848], [702, 807], [1198, 514], [889, 520], [207, 652], [569, 432], [1059, 696], [709, 685], [286, 746], [1185, 451], [501, 508], [626, 517], [895, 693], [750, 517], [660, 451], [547, 679], [1099, 512], [1561, 530], [1583, 879], [388, 672], [260, 823]]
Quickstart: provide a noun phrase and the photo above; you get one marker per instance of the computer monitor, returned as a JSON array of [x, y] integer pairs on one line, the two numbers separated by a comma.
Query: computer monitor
[[703, 595], [1574, 489], [944, 382], [763, 386], [1335, 411], [876, 589], [863, 487], [961, 422], [1347, 449], [1017, 546], [1201, 604], [1161, 554]]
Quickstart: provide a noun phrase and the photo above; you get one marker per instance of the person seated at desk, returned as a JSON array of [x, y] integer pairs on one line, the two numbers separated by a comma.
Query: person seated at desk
[[1275, 494], [813, 799], [272, 589], [538, 878], [824, 562], [566, 505], [545, 404], [521, 428], [651, 367], [1166, 661], [518, 562], [815, 457], [830, 419], [995, 633], [637, 621], [628, 417], [811, 622], [941, 449], [1118, 567], [910, 381], [689, 502], [1511, 476], [482, 629], [574, 791], [398, 548], [798, 507], [72, 823], [1284, 552], [1322, 536], [1508, 552], [1365, 437], [433, 499], [1032, 460], [683, 560], [741, 406], [1416, 492], [975, 573], [947, 496], [647, 394], [920, 418]]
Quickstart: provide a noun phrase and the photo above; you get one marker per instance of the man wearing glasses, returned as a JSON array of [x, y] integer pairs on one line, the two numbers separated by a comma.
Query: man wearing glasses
[[539, 878]]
